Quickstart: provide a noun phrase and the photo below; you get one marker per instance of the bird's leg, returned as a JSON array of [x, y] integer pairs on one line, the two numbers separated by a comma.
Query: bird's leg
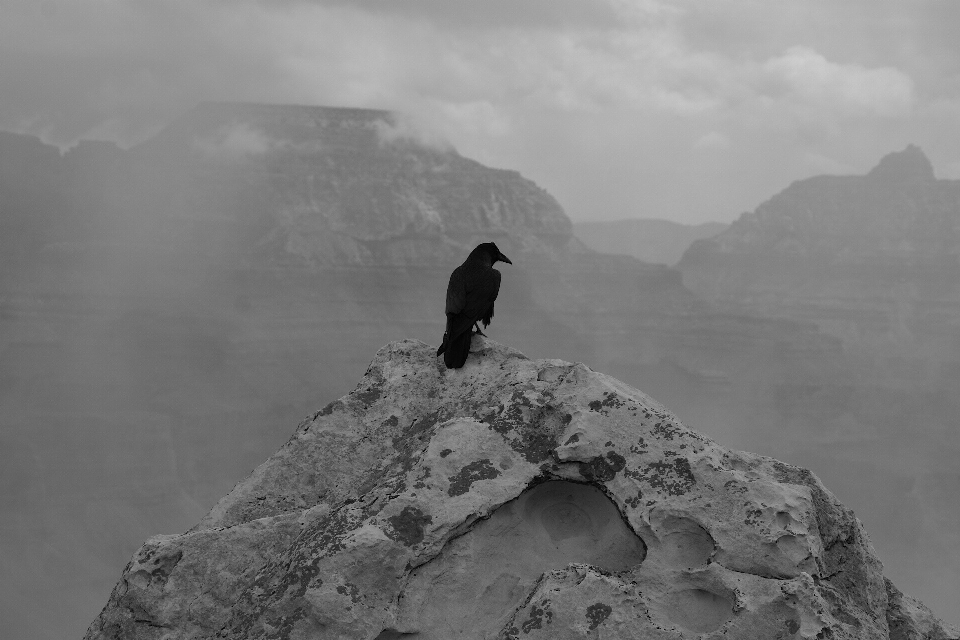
[[476, 325]]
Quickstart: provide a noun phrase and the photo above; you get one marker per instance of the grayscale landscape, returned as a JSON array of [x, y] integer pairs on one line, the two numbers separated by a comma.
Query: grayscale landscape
[[214, 218]]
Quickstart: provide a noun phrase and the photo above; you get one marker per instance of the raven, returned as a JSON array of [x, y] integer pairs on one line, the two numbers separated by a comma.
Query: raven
[[472, 290]]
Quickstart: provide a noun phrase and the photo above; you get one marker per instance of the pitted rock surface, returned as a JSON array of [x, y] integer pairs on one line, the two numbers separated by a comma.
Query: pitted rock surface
[[512, 498]]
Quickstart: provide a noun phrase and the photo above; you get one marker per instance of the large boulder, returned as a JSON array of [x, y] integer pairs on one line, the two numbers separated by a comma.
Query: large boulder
[[513, 498]]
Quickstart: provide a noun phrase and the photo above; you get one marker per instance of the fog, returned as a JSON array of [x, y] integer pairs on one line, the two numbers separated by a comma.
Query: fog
[[165, 329], [170, 311]]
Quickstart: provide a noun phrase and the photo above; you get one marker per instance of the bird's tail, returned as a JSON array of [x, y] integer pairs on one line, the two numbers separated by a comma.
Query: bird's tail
[[443, 345], [455, 353]]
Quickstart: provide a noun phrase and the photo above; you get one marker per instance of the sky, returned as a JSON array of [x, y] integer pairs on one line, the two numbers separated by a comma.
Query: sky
[[688, 110]]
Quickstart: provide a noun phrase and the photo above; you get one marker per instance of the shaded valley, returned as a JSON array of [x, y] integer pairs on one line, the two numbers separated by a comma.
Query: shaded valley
[[649, 239]]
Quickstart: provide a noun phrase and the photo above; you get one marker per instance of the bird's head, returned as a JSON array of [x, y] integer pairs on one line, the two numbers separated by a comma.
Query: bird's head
[[490, 249]]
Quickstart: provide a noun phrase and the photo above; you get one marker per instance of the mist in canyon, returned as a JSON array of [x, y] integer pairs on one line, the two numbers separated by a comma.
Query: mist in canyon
[[170, 312]]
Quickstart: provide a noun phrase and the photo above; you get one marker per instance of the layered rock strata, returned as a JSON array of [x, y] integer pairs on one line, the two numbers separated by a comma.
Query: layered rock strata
[[873, 259], [325, 186], [514, 498]]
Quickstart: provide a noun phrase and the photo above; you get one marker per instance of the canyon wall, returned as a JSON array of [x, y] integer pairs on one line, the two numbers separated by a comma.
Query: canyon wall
[[166, 310]]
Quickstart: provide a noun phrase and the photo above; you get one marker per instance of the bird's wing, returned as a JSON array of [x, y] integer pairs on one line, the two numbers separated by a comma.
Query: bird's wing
[[458, 320], [456, 291], [488, 314], [470, 297], [480, 296]]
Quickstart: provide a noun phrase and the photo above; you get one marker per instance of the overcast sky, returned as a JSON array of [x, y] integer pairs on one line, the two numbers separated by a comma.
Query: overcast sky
[[690, 110]]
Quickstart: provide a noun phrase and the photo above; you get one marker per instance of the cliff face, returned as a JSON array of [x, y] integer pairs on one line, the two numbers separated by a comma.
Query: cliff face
[[512, 498], [873, 259], [334, 187]]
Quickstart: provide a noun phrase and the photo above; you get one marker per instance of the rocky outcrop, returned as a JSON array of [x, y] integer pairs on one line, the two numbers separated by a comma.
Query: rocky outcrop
[[513, 498]]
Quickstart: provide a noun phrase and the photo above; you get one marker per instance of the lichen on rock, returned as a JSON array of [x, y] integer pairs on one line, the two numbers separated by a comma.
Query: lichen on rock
[[513, 498]]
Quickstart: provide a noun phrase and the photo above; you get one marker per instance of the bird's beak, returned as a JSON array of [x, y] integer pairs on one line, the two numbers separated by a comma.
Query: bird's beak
[[503, 258]]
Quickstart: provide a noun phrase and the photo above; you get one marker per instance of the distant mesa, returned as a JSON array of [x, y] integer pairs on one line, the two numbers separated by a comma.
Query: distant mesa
[[296, 186], [267, 127], [898, 210], [360, 186]]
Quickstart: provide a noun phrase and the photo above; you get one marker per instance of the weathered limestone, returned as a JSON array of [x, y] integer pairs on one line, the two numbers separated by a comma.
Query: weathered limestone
[[511, 499]]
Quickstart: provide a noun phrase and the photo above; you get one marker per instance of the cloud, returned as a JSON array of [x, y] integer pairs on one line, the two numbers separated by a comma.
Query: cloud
[[810, 80], [140, 62], [237, 141], [410, 128], [712, 140]]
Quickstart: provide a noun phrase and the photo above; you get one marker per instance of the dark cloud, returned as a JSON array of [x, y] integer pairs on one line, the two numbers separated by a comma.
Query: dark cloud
[[493, 13]]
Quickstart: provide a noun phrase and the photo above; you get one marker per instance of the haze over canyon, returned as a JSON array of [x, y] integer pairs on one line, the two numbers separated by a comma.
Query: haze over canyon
[[169, 312]]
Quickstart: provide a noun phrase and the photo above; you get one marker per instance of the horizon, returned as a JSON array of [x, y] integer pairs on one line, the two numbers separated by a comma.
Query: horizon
[[621, 109], [427, 136]]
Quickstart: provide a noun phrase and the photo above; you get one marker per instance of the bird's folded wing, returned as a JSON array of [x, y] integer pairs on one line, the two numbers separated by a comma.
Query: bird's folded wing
[[482, 294], [456, 292]]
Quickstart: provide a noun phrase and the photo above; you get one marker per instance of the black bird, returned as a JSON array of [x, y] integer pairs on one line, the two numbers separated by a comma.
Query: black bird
[[472, 290]]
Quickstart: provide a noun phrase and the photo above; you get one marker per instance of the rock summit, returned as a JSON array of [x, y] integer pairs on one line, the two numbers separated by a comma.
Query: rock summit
[[513, 498]]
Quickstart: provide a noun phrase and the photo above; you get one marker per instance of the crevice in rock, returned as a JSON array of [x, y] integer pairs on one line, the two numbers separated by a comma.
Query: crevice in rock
[[511, 620], [758, 574], [151, 623], [393, 634]]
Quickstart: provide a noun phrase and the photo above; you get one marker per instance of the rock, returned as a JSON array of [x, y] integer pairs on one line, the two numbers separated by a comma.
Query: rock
[[871, 259], [513, 498], [329, 186], [910, 619]]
